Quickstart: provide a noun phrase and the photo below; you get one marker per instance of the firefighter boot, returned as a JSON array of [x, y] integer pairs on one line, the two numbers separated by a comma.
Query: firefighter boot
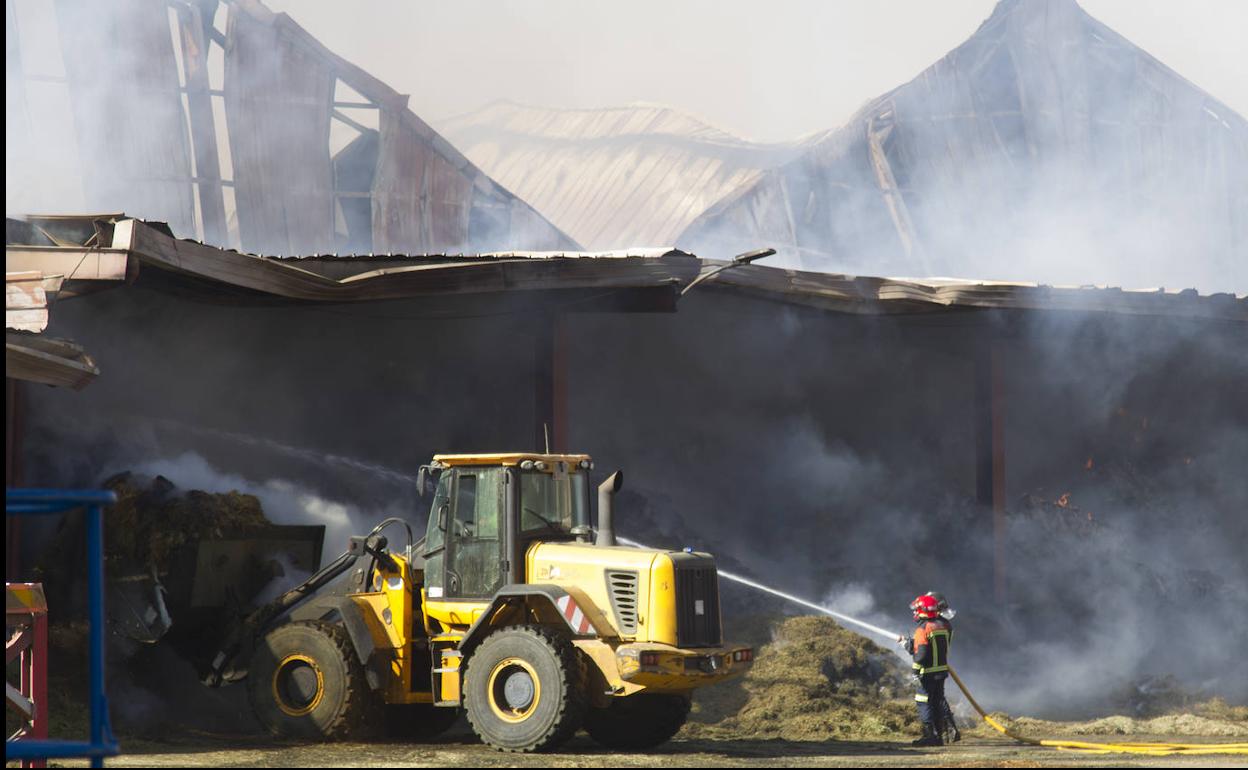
[[952, 733], [930, 736]]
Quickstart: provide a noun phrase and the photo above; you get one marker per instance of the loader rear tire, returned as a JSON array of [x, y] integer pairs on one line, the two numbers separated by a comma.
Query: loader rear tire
[[524, 689], [638, 721], [305, 681]]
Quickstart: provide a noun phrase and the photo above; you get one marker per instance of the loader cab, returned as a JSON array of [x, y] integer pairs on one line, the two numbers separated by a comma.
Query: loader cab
[[485, 512]]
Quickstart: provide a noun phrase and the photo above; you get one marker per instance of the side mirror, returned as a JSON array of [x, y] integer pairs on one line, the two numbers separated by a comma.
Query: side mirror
[[422, 481]]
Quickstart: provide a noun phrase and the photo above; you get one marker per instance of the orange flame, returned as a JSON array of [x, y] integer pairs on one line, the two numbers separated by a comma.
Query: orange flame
[[1064, 500], [1088, 465]]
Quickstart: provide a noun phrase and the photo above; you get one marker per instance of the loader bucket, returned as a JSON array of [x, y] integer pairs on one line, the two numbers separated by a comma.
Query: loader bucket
[[212, 582], [239, 570]]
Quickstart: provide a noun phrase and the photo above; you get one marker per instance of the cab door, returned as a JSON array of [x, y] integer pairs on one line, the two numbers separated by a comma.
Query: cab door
[[476, 534]]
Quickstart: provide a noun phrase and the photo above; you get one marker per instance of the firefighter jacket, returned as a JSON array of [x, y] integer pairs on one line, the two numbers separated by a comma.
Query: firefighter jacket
[[930, 647]]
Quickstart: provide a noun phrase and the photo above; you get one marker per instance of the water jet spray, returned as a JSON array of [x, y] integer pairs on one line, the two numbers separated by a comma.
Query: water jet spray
[[1147, 749]]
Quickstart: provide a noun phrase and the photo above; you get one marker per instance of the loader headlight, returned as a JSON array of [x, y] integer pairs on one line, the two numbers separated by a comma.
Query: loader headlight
[[526, 465]]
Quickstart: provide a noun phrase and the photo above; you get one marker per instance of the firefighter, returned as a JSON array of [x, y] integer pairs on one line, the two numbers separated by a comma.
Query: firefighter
[[929, 648], [951, 733]]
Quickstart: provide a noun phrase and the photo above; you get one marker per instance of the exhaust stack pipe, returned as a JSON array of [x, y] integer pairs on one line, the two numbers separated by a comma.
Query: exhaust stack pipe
[[606, 498]]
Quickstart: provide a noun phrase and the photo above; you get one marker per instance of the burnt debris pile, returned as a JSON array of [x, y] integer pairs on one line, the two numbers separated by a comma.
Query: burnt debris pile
[[153, 520], [181, 564], [813, 681]]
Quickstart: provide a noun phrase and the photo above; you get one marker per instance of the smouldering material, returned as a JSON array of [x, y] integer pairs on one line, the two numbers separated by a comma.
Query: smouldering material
[[1148, 749]]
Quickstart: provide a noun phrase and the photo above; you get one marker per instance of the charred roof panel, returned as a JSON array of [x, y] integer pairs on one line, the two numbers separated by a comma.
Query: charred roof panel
[[1045, 147], [131, 132], [277, 99], [280, 188], [231, 275]]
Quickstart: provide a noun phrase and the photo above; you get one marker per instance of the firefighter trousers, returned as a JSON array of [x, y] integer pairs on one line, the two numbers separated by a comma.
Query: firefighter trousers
[[929, 697]]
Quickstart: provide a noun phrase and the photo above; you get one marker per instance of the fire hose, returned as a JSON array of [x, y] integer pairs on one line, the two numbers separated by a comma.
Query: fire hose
[[1149, 749]]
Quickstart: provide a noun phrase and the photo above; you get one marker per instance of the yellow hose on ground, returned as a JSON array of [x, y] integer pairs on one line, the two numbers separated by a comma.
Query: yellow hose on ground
[[1149, 749]]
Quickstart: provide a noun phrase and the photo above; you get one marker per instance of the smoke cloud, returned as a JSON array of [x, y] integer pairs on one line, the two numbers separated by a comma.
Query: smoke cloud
[[830, 455], [833, 458]]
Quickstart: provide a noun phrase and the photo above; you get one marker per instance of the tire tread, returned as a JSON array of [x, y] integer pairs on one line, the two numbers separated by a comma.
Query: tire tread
[[360, 710], [573, 701]]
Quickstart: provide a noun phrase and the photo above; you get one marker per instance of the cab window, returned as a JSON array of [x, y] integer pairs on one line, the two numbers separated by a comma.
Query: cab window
[[435, 538], [553, 500]]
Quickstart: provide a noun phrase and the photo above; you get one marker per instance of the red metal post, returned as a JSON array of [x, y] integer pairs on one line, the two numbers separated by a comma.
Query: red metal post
[[26, 612], [38, 656]]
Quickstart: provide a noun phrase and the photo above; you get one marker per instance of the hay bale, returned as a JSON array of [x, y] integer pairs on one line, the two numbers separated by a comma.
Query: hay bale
[[814, 681]]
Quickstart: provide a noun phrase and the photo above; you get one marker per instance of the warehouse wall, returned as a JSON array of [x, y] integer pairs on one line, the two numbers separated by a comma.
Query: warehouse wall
[[830, 455]]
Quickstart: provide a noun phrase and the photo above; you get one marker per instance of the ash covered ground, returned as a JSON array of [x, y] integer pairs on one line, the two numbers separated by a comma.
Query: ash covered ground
[[818, 695]]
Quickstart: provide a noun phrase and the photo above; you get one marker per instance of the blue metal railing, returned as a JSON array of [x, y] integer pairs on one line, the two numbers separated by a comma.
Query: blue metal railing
[[101, 744]]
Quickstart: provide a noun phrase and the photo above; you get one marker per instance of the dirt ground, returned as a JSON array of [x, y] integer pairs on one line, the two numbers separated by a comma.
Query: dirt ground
[[819, 696], [463, 751]]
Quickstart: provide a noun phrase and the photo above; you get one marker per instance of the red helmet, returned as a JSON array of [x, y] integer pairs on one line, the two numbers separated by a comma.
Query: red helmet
[[925, 608]]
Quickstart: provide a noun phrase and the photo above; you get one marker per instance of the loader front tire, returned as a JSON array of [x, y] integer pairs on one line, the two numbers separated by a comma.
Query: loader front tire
[[638, 721], [305, 681], [524, 689]]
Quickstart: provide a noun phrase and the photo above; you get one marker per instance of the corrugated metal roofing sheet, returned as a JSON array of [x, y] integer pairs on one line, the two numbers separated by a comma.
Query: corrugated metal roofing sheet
[[615, 177], [35, 358], [404, 276]]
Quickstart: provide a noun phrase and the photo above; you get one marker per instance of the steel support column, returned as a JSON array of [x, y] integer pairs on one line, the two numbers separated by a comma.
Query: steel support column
[[550, 396], [12, 474], [990, 451]]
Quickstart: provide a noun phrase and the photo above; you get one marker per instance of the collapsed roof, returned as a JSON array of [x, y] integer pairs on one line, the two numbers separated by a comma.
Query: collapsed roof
[[291, 148], [612, 178], [28, 355], [1046, 147]]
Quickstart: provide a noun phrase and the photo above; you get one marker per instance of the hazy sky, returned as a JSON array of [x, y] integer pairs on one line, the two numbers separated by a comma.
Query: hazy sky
[[763, 70]]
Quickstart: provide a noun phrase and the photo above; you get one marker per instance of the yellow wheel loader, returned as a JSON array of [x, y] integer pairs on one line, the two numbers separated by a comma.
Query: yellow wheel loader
[[511, 609]]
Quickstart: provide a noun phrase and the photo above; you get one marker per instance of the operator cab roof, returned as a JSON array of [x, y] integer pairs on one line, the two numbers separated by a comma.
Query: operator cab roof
[[508, 458]]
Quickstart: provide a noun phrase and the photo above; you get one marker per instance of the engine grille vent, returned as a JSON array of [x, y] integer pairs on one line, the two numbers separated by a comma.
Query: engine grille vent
[[622, 587], [697, 601]]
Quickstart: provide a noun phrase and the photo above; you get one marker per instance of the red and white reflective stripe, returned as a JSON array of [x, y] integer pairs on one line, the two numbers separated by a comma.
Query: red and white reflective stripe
[[572, 613]]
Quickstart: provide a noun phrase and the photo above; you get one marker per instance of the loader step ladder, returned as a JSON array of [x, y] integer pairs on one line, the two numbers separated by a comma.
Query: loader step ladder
[[36, 746], [447, 670]]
